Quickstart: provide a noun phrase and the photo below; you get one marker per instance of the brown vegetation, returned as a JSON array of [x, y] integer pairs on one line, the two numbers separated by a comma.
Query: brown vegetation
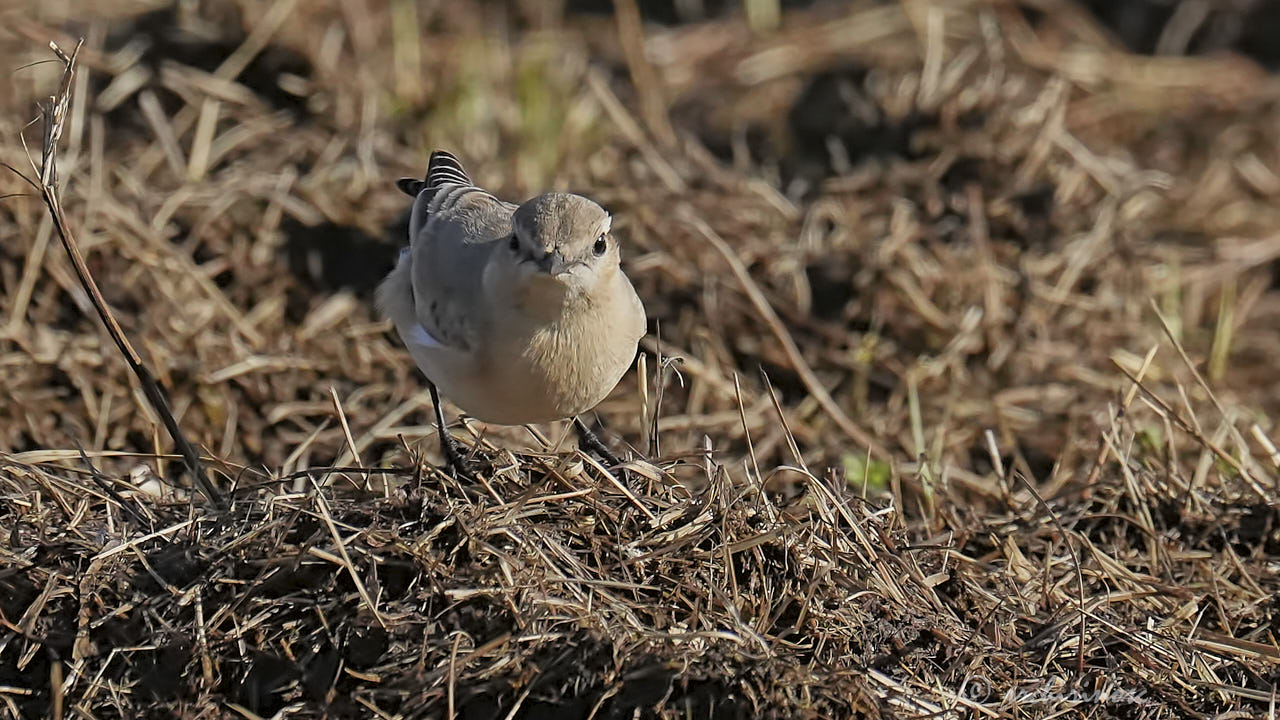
[[960, 397]]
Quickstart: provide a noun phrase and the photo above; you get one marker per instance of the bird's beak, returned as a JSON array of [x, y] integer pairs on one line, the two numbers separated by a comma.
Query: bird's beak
[[553, 263]]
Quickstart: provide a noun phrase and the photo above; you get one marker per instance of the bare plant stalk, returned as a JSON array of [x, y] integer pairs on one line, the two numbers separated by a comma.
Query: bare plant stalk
[[54, 118]]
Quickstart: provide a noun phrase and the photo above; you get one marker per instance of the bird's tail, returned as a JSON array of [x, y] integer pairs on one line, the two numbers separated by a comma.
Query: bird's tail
[[443, 168]]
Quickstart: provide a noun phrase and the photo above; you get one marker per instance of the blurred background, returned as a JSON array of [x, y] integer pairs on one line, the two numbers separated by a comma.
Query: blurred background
[[960, 213]]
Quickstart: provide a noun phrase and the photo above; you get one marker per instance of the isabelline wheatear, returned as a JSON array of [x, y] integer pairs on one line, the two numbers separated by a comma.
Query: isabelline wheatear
[[519, 314]]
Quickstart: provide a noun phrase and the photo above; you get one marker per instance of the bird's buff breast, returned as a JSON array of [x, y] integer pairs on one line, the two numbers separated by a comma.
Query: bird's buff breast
[[553, 373]]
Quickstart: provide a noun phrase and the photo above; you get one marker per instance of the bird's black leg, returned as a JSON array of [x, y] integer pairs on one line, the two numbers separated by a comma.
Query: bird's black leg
[[590, 442], [448, 443]]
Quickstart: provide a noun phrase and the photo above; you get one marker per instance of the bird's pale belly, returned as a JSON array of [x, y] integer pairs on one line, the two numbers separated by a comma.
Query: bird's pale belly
[[520, 391]]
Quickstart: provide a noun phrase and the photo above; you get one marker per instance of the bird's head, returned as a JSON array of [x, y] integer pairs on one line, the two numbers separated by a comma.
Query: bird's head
[[559, 247]]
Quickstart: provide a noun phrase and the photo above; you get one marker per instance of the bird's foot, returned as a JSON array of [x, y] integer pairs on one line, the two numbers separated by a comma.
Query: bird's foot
[[591, 443], [454, 457]]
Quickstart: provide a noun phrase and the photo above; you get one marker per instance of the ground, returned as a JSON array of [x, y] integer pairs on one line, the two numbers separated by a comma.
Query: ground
[[959, 397]]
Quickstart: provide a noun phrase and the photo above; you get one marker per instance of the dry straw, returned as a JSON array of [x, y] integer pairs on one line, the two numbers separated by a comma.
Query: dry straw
[[916, 441]]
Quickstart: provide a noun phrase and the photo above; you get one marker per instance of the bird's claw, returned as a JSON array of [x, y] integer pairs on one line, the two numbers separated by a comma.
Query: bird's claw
[[454, 458], [589, 442]]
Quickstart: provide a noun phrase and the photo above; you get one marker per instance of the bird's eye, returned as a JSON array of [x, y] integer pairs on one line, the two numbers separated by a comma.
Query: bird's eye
[[514, 244], [600, 246]]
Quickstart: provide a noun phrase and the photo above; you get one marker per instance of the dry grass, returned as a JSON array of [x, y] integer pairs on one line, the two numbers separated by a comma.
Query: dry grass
[[968, 412]]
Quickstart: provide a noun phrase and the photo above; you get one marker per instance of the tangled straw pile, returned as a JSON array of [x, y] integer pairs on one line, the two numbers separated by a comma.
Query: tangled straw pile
[[959, 397]]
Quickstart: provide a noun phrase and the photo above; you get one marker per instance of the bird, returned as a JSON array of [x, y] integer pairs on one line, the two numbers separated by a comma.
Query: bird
[[519, 314]]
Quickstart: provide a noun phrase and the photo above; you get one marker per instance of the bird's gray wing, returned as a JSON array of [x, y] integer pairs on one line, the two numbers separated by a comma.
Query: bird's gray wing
[[454, 226]]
